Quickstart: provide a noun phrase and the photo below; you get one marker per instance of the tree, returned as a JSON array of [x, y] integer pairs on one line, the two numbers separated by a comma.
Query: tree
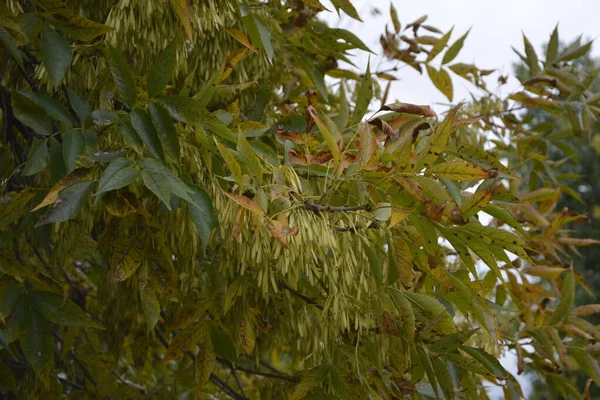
[[577, 161], [185, 200]]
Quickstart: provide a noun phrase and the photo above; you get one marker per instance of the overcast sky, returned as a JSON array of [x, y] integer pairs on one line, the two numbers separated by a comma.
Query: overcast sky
[[496, 26]]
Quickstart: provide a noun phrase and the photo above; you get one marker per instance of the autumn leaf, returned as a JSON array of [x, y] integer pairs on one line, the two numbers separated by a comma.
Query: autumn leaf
[[246, 203], [408, 108], [460, 170]]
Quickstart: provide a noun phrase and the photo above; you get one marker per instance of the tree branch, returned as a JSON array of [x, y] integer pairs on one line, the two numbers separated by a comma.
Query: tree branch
[[307, 299]]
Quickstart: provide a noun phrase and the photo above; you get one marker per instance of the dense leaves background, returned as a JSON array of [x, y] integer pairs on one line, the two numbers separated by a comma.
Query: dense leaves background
[[189, 207]]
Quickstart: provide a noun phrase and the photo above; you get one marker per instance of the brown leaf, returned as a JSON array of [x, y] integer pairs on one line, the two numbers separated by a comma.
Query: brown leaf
[[321, 158], [295, 137], [521, 359], [407, 108], [280, 229], [246, 203], [298, 158], [586, 310], [578, 242], [383, 127], [389, 324]]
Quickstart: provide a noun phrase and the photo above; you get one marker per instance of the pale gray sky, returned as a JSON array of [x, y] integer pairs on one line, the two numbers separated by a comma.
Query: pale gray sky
[[496, 26]]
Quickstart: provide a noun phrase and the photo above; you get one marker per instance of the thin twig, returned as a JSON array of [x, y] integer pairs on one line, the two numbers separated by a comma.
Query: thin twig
[[318, 207], [213, 378], [303, 297], [277, 375]]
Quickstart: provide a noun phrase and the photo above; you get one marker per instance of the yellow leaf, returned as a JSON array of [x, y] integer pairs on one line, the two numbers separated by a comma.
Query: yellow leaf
[[206, 361], [398, 215], [231, 61], [235, 290], [186, 339], [477, 201], [367, 145], [183, 11], [332, 143], [240, 37], [460, 171], [231, 162], [247, 336], [441, 79], [127, 257]]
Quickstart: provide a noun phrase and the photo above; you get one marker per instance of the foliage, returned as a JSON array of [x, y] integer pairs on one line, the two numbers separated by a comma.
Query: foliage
[[166, 221]]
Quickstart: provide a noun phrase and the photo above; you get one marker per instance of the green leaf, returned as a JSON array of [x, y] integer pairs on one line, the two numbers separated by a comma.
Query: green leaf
[[406, 314], [162, 70], [122, 75], [503, 215], [141, 123], [31, 114], [80, 28], [52, 107], [189, 111], [532, 58], [552, 50], [311, 380], [7, 380], [38, 157], [255, 27], [178, 187], [328, 135], [201, 209], [449, 343], [490, 362], [55, 308], [57, 162], [222, 343], [150, 307], [587, 363], [435, 144], [166, 129], [119, 173], [186, 340], [56, 54], [347, 7], [443, 377], [374, 262], [567, 296], [427, 308], [81, 107], [38, 343], [73, 146], [576, 52], [456, 47], [104, 117], [439, 46], [130, 137], [159, 185], [365, 93], [248, 156], [70, 201], [441, 79], [9, 44]]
